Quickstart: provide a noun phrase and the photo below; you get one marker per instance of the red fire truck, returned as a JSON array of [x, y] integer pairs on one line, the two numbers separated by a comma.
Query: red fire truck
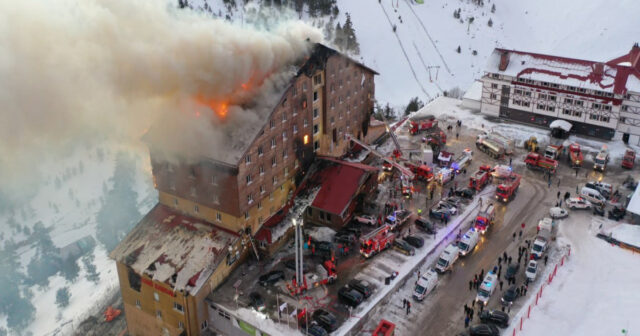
[[421, 171], [575, 156], [628, 159], [376, 241], [422, 123], [539, 162], [485, 218], [480, 178], [384, 328], [435, 137], [324, 274], [507, 190]]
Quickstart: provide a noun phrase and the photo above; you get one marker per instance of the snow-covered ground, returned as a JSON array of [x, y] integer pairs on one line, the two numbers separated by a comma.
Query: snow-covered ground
[[594, 293], [627, 233]]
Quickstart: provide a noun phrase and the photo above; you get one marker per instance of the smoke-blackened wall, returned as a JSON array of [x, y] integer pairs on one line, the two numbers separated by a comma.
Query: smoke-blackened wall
[[72, 70]]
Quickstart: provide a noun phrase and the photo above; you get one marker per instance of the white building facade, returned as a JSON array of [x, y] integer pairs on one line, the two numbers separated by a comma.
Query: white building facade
[[598, 99]]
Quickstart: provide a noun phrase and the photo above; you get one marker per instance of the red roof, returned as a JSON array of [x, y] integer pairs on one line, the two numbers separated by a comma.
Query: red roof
[[339, 184]]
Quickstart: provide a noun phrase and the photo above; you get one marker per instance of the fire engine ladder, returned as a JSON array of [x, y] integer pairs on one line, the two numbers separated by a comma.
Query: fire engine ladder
[[404, 170], [253, 245]]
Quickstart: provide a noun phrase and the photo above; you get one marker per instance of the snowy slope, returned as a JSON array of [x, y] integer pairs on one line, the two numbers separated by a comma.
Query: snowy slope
[[594, 293]]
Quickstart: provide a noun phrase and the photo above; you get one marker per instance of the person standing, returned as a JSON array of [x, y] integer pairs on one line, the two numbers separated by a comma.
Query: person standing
[[404, 303], [500, 284], [558, 184], [466, 321], [514, 236], [408, 307], [546, 258]]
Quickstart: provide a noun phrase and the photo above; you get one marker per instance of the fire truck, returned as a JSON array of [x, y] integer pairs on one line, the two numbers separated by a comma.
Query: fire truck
[[480, 178], [324, 274], [575, 155], [435, 137], [422, 123], [384, 328], [553, 152], [485, 218], [444, 159], [537, 162], [462, 161], [444, 175], [376, 241], [507, 190], [629, 158], [422, 171]]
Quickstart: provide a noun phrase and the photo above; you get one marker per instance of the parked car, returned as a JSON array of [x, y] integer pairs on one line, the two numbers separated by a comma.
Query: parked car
[[578, 203], [356, 231], [323, 247], [452, 208], [414, 241], [598, 210], [440, 213], [350, 296], [291, 264], [532, 270], [325, 319], [484, 330], [617, 213], [509, 296], [315, 330], [345, 238], [512, 271], [495, 317], [271, 278], [465, 193], [605, 189], [425, 225], [404, 247], [362, 286], [454, 201], [557, 212], [366, 219], [256, 301]]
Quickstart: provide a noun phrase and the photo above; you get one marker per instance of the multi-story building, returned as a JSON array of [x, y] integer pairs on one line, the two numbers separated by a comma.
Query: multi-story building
[[218, 202], [597, 98]]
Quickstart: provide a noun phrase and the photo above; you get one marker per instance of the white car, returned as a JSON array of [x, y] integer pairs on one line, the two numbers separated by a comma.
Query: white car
[[558, 213], [366, 219], [578, 203], [532, 270]]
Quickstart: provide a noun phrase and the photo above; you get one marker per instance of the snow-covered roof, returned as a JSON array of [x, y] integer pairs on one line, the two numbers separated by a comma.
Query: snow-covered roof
[[474, 92], [634, 203], [563, 124], [178, 250], [612, 76]]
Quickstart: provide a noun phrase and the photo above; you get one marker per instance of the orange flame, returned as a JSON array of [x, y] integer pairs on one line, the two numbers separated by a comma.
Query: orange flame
[[219, 108]]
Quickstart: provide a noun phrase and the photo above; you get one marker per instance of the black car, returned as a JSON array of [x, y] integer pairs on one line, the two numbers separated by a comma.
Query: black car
[[352, 229], [440, 213], [414, 241], [291, 264], [496, 317], [362, 286], [465, 193], [426, 226], [484, 330], [509, 296], [271, 278], [325, 319], [350, 296], [512, 271], [455, 201], [598, 210], [323, 247], [256, 301], [315, 330], [404, 247], [617, 213]]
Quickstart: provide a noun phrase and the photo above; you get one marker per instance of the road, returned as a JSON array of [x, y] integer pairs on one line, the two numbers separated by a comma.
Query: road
[[442, 313]]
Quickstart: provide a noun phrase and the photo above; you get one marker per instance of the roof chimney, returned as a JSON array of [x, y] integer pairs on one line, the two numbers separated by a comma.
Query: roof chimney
[[599, 69], [504, 61]]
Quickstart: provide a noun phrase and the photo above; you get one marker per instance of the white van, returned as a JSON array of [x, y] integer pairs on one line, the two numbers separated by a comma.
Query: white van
[[487, 287], [447, 259], [468, 242], [545, 224], [541, 244], [592, 196], [425, 285]]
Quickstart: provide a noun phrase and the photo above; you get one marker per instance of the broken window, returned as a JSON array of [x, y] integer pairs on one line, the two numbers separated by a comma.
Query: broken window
[[134, 280], [315, 96], [178, 307], [219, 217]]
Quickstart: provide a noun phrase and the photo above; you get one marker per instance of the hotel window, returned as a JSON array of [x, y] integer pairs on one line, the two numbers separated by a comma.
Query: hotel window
[[315, 96], [541, 107], [214, 180], [340, 83], [315, 129], [593, 116], [284, 136], [180, 325], [295, 91], [196, 208], [138, 303], [577, 114], [246, 215], [332, 120], [579, 103], [315, 113], [216, 199], [306, 122], [551, 108], [219, 217], [248, 178], [568, 101], [156, 296], [284, 116], [607, 107], [317, 79], [193, 191], [333, 88], [284, 102], [273, 161], [295, 129], [340, 100], [261, 169], [274, 180], [273, 142], [159, 314], [304, 86], [316, 145], [178, 307], [249, 199], [285, 153], [260, 151], [247, 159], [494, 86], [286, 171], [525, 104], [172, 184], [493, 96], [272, 123], [552, 97], [566, 111], [604, 119], [333, 104], [271, 199], [262, 190]]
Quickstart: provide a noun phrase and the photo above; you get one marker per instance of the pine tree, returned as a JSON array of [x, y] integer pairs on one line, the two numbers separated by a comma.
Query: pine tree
[[414, 104], [92, 274], [350, 36], [62, 297], [339, 39], [493, 8], [490, 23], [458, 50]]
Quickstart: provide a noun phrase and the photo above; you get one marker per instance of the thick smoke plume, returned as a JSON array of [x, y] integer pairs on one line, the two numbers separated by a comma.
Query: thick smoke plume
[[72, 70]]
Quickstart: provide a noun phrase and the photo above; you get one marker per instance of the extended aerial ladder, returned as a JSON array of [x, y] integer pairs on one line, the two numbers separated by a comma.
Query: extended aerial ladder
[[404, 170]]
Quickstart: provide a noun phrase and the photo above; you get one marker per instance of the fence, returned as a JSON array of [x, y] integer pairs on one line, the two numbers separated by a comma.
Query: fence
[[525, 313]]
